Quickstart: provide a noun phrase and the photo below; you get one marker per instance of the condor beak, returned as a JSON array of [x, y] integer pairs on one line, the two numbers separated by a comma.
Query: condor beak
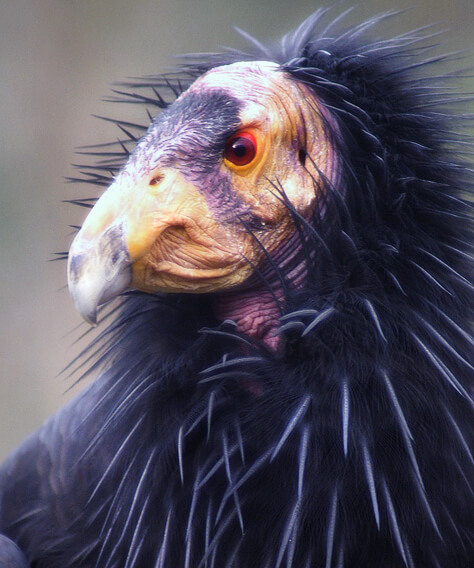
[[118, 231], [155, 237], [99, 263], [98, 271]]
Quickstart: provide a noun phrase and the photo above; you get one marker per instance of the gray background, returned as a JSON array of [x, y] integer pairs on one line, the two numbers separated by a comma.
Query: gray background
[[57, 60]]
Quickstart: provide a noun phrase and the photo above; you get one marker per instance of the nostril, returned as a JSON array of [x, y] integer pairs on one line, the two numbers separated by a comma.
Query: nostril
[[157, 179]]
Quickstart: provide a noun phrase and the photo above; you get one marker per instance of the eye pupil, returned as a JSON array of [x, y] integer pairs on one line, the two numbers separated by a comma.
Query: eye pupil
[[241, 149]]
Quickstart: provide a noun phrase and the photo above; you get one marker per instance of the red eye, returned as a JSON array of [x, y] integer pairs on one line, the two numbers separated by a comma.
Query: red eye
[[241, 148]]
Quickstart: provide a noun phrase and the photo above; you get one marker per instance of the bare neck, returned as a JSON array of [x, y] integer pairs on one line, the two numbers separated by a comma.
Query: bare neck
[[257, 310], [256, 313]]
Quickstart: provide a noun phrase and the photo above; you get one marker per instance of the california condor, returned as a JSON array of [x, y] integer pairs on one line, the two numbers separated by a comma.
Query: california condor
[[287, 377]]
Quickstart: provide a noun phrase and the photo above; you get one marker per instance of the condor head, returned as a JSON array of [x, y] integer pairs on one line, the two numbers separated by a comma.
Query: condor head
[[208, 199]]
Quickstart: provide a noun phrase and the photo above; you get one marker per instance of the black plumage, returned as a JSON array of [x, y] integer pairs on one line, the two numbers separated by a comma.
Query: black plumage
[[350, 445]]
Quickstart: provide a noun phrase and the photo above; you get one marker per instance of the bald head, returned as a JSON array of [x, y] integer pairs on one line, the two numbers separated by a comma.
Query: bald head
[[196, 209]]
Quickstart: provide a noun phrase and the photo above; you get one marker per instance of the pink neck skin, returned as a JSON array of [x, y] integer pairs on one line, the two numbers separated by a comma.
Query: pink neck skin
[[256, 311]]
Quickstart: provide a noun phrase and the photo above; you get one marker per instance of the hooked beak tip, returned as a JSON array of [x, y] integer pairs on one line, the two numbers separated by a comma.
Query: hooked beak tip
[[97, 272], [87, 312]]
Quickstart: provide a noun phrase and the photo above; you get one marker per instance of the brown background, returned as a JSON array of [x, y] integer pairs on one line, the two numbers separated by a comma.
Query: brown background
[[57, 60]]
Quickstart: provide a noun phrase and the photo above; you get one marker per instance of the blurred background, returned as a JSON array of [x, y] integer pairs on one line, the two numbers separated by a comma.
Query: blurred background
[[58, 59]]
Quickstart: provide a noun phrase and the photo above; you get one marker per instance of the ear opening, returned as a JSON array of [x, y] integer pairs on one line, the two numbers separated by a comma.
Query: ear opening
[[302, 156]]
